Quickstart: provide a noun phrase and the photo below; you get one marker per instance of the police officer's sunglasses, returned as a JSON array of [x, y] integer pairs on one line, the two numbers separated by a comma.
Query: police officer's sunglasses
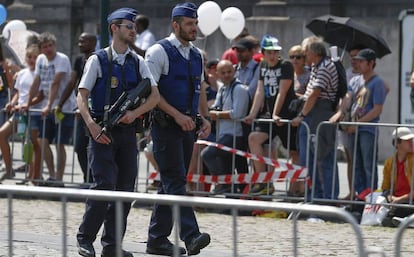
[[130, 26]]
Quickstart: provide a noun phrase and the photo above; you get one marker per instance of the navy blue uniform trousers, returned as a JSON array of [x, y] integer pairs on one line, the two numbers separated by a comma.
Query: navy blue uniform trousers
[[81, 145], [114, 167], [172, 151]]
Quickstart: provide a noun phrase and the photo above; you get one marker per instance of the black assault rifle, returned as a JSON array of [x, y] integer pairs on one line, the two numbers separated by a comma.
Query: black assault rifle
[[128, 100]]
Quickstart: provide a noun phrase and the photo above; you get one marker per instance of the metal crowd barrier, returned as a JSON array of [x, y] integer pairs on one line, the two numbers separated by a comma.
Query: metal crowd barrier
[[56, 153], [313, 139], [198, 190], [71, 179], [175, 201], [375, 149], [71, 160], [233, 161], [250, 164], [398, 237], [288, 123]]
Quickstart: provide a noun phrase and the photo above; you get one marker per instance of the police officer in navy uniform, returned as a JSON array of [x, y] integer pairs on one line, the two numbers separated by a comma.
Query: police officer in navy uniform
[[177, 66], [113, 158]]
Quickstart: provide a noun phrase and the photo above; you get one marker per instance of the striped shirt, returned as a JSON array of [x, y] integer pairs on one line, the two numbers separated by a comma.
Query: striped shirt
[[325, 77]]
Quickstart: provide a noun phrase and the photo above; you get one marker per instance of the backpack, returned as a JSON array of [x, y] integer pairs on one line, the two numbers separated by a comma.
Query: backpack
[[342, 82]]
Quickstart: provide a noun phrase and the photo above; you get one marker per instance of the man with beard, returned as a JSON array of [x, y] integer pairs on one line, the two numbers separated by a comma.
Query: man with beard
[[113, 158], [247, 68], [177, 65]]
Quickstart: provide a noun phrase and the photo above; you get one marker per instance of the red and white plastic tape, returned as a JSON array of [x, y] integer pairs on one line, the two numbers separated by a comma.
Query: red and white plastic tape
[[282, 171], [244, 178], [268, 161]]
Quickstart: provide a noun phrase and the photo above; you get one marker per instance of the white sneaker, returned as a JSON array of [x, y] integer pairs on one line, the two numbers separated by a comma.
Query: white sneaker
[[397, 221]]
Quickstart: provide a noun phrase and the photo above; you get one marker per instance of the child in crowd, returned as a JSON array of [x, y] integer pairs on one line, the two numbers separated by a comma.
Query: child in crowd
[[22, 85]]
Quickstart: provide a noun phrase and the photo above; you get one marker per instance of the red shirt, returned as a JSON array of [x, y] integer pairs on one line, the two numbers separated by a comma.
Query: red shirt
[[258, 57], [403, 185], [231, 55]]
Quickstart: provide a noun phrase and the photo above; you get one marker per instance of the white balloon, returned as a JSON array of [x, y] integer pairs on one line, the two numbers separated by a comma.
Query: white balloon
[[209, 14], [232, 22], [13, 25]]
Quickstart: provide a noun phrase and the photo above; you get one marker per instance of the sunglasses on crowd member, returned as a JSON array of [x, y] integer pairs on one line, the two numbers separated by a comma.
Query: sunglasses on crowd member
[[130, 26], [297, 57]]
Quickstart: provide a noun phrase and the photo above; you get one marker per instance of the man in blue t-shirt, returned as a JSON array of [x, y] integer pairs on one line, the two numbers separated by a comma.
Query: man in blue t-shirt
[[367, 108]]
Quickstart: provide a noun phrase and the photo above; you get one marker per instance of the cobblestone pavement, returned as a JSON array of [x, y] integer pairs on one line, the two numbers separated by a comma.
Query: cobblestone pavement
[[37, 231]]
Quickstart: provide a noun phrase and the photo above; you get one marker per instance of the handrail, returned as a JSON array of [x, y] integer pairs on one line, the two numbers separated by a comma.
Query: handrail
[[174, 200], [398, 237]]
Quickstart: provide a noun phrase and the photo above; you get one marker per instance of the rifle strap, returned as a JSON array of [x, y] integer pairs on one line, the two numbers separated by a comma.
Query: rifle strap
[[108, 87]]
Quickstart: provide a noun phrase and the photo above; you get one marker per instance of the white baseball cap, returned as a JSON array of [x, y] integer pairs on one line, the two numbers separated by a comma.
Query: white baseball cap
[[270, 43], [403, 133]]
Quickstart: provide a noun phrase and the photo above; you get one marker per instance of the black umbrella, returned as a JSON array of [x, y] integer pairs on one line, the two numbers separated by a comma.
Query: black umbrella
[[345, 33]]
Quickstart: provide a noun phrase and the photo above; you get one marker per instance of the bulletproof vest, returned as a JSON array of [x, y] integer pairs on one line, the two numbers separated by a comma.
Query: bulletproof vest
[[124, 77], [181, 86]]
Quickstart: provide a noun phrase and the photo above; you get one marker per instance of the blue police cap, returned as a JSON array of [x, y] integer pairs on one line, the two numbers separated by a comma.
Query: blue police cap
[[186, 9], [122, 13]]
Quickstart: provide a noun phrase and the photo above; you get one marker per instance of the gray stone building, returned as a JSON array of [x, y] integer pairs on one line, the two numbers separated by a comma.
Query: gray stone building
[[284, 19]]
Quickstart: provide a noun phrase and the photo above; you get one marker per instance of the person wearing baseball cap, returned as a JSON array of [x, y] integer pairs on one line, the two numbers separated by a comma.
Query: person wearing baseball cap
[[398, 171], [247, 68], [114, 71], [230, 53], [402, 133], [177, 66], [243, 44], [367, 107], [274, 89], [270, 43], [366, 54]]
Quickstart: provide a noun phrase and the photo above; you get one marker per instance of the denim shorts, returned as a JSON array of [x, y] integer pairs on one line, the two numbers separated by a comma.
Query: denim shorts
[[35, 121], [3, 101], [51, 129]]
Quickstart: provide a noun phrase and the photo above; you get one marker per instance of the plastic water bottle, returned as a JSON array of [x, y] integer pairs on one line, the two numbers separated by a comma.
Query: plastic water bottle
[[28, 152], [21, 126]]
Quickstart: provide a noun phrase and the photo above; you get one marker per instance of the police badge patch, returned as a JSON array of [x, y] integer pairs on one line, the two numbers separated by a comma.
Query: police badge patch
[[114, 82]]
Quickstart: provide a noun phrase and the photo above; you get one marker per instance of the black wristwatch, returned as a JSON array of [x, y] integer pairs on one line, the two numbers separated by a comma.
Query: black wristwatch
[[208, 118], [301, 115]]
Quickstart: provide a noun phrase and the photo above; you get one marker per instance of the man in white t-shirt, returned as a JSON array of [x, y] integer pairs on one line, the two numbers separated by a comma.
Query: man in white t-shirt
[[144, 38], [52, 75]]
